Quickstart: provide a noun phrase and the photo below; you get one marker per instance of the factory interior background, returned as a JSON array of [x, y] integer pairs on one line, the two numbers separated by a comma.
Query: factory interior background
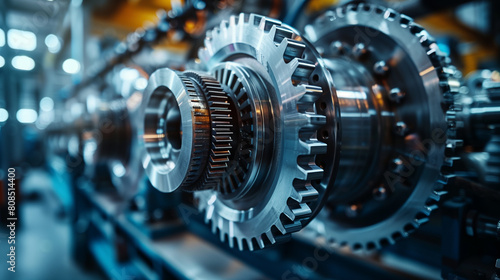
[[249, 139]]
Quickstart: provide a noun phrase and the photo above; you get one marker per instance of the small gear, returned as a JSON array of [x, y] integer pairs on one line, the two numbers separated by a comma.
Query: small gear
[[222, 133], [176, 130], [238, 172], [200, 128]]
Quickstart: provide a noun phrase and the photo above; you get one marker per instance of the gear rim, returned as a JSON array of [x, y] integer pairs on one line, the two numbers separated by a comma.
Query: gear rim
[[256, 230], [361, 15]]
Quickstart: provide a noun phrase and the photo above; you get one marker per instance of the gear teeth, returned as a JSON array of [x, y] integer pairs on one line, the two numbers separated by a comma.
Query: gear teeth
[[310, 172], [293, 49], [231, 242], [303, 69], [297, 211], [224, 24], [222, 236], [448, 82], [450, 85], [312, 94], [200, 115], [240, 244], [314, 121], [233, 20], [429, 209], [313, 147], [250, 244], [306, 192], [265, 23], [233, 178], [222, 131], [270, 237], [289, 45], [419, 222], [303, 211], [436, 195], [255, 19], [281, 33]]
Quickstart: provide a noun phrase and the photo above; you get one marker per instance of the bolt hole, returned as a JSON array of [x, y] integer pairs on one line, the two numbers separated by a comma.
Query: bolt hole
[[315, 78], [322, 106], [324, 134]]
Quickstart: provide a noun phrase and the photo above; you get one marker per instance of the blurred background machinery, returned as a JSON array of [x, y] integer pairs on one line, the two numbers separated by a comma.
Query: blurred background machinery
[[251, 139]]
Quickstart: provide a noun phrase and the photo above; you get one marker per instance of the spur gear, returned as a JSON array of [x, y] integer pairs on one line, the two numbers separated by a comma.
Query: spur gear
[[222, 135], [267, 98], [395, 89], [270, 72], [176, 130]]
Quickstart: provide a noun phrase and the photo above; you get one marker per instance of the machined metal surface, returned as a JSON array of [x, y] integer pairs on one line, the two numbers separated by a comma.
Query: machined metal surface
[[271, 97], [277, 206], [372, 99], [175, 130], [392, 84]]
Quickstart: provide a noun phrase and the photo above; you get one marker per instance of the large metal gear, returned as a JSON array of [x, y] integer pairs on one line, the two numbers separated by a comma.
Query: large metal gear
[[285, 178], [265, 126], [395, 89], [279, 112]]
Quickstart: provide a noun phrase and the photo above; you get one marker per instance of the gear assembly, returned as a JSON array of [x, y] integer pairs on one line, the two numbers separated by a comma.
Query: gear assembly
[[284, 128], [280, 126]]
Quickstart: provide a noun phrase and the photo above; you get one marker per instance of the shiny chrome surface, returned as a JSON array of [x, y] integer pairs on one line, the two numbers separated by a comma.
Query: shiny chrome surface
[[174, 129], [394, 128], [286, 123], [255, 148], [366, 122]]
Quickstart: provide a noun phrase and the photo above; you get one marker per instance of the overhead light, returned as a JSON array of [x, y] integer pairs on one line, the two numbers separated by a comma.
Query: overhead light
[[71, 66], [22, 62], [46, 104], [21, 40], [2, 38], [53, 44], [141, 83], [2, 61], [129, 74], [26, 115], [4, 115]]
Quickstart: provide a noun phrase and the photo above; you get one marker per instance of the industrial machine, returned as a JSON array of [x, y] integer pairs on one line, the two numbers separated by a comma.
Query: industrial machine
[[334, 144]]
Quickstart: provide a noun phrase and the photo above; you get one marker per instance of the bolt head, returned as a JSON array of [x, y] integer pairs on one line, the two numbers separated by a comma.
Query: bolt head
[[396, 95], [380, 193], [401, 128], [398, 165], [359, 50], [353, 210], [321, 51], [337, 48], [381, 68]]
